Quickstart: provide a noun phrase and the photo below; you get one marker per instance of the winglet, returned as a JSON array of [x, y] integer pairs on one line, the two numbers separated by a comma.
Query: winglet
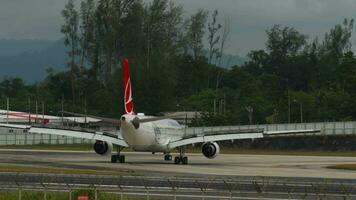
[[128, 101]]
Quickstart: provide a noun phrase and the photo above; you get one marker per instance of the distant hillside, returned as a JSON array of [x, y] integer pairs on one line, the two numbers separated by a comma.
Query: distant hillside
[[16, 47], [31, 60], [228, 60]]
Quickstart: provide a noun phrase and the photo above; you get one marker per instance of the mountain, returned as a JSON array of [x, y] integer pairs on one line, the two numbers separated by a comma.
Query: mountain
[[30, 60], [16, 47], [228, 60]]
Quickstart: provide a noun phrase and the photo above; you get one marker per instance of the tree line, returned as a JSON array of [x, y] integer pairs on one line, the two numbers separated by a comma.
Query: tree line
[[175, 63]]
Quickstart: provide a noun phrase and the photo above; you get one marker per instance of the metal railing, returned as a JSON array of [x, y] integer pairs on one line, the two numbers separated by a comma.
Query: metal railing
[[22, 137], [124, 187], [10, 136], [326, 128]]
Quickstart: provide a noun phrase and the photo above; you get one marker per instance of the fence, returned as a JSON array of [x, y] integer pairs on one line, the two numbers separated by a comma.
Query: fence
[[22, 137], [138, 187], [326, 128]]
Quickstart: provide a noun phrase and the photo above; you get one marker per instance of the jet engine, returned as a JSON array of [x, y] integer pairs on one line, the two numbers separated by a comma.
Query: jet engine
[[102, 148], [136, 122], [210, 149]]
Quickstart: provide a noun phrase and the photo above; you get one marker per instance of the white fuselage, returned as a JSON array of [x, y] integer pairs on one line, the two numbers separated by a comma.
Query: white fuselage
[[150, 136]]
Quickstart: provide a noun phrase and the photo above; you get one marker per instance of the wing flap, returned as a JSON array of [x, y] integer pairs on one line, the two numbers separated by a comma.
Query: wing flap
[[211, 135], [291, 132], [214, 138]]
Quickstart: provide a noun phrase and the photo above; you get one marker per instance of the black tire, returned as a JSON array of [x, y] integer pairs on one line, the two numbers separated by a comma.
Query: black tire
[[122, 159], [185, 160], [177, 160], [167, 157], [113, 159]]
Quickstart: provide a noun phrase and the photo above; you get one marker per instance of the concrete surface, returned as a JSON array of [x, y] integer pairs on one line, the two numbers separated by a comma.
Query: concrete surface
[[223, 165]]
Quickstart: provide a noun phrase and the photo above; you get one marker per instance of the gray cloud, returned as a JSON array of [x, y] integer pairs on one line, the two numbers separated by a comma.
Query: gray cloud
[[41, 19], [35, 19]]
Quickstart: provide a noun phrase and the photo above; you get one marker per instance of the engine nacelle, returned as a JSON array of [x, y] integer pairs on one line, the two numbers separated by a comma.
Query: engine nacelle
[[210, 149], [102, 148]]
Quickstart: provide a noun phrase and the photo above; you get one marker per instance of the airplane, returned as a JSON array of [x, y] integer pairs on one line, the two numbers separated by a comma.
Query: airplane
[[153, 134]]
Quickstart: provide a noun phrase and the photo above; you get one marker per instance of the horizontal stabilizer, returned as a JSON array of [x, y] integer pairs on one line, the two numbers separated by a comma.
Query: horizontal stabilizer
[[104, 119]]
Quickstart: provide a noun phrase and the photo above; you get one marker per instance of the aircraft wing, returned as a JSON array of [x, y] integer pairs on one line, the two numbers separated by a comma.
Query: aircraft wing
[[211, 135], [83, 134]]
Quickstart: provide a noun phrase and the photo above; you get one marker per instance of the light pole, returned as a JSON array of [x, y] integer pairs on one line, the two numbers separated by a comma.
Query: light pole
[[288, 94], [301, 110]]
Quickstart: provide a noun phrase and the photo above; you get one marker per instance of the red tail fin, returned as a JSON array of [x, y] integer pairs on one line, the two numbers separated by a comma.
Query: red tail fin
[[129, 106]]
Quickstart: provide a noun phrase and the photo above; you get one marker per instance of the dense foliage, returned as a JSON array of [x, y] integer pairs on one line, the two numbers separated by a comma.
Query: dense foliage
[[172, 70]]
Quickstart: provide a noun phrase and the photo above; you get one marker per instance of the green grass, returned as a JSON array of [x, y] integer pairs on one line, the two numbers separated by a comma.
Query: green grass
[[17, 168], [27, 195], [343, 166]]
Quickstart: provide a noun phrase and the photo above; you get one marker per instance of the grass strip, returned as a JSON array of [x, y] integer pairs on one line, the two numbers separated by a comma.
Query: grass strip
[[17, 168], [343, 166]]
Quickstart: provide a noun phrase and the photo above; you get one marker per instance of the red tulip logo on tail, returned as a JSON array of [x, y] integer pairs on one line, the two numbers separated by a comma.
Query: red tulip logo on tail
[[129, 107]]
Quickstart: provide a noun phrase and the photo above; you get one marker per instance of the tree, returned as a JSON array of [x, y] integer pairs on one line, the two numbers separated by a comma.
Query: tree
[[336, 43], [87, 9], [71, 39], [213, 38], [282, 43], [170, 67], [195, 33]]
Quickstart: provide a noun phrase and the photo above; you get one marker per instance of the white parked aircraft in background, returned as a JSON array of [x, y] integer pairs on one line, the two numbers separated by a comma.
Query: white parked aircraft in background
[[153, 134]]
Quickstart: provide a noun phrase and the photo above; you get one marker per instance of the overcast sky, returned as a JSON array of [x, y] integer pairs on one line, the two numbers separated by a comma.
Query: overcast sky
[[41, 19]]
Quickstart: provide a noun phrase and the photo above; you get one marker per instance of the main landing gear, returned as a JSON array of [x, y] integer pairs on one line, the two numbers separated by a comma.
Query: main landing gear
[[118, 157], [181, 158], [167, 157]]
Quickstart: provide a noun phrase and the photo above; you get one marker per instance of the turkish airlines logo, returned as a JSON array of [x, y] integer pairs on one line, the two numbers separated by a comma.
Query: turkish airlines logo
[[128, 97]]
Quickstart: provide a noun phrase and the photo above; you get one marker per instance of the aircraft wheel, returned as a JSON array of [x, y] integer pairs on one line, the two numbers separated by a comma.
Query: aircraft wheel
[[185, 160], [167, 157], [113, 159], [176, 160], [117, 159], [121, 159]]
